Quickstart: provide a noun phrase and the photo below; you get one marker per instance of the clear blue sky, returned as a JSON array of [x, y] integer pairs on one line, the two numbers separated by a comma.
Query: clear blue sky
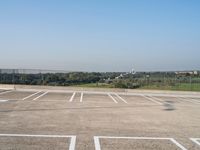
[[103, 35]]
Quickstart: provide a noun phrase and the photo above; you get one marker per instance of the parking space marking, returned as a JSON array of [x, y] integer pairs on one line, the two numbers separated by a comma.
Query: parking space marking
[[81, 99], [198, 101], [98, 146], [97, 143], [156, 98], [72, 137], [112, 97], [121, 98], [160, 100], [187, 100], [173, 95], [5, 92], [72, 97], [191, 100], [151, 99], [195, 140], [40, 95], [177, 144], [2, 101], [31, 95], [72, 143]]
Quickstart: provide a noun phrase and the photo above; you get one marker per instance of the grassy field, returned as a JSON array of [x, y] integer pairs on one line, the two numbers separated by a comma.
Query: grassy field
[[178, 87]]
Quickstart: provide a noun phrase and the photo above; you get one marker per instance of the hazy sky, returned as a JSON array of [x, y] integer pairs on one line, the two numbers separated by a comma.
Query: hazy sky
[[103, 35]]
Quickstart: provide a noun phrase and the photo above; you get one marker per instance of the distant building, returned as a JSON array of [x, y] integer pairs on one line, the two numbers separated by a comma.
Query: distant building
[[184, 73]]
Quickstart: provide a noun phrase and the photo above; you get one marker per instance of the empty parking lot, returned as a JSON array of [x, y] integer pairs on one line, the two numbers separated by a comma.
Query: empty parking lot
[[83, 120]]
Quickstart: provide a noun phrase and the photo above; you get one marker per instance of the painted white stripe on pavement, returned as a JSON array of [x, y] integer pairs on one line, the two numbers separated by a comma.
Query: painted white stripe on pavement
[[34, 135], [187, 100], [121, 98], [178, 144], [98, 147], [72, 97], [97, 143], [112, 98], [198, 101], [31, 95], [72, 143], [40, 96], [81, 99], [153, 93], [151, 99], [160, 100], [195, 140], [1, 101], [195, 101], [5, 92]]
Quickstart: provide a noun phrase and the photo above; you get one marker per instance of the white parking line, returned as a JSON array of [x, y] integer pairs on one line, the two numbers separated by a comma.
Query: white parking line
[[81, 99], [5, 92], [72, 137], [155, 98], [121, 98], [195, 140], [191, 100], [98, 146], [187, 100], [112, 97], [160, 100], [97, 143], [198, 101], [72, 143], [178, 144], [72, 97], [40, 96], [151, 99], [2, 101], [31, 95]]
